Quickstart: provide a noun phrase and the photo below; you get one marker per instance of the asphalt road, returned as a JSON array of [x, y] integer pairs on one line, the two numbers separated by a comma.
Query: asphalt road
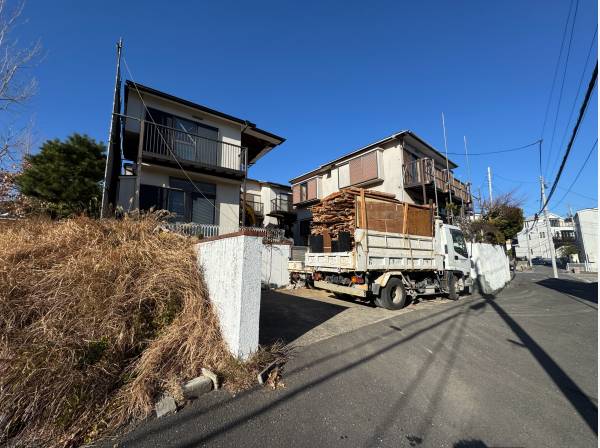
[[518, 369]]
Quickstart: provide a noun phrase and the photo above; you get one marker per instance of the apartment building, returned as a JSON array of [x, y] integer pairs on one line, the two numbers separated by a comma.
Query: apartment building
[[268, 204], [402, 164], [534, 237]]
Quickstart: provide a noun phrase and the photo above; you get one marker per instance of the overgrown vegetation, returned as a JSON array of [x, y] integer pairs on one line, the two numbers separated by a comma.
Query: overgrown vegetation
[[500, 221], [65, 175], [97, 319]]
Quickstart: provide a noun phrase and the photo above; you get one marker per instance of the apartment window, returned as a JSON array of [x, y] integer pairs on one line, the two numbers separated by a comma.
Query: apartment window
[[305, 191], [199, 200], [363, 168], [542, 235]]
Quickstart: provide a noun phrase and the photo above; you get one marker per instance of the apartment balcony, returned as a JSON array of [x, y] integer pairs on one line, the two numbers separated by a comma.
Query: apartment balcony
[[256, 206], [422, 175], [281, 207], [172, 146]]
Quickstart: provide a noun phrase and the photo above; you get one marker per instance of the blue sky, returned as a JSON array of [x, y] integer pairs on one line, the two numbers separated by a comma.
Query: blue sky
[[334, 76]]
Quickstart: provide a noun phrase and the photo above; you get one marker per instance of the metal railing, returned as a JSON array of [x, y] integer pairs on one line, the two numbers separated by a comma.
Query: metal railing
[[160, 140], [281, 205], [269, 234], [256, 206]]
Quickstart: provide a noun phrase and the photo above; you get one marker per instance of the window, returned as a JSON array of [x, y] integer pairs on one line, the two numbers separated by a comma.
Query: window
[[306, 191], [363, 168], [458, 240], [542, 235], [199, 200]]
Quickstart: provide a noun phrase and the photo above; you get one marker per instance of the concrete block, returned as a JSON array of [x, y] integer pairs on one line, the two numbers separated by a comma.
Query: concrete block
[[166, 405], [232, 273], [197, 387]]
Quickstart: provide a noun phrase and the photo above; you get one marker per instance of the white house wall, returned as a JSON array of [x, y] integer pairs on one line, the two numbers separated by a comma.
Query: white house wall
[[587, 234]]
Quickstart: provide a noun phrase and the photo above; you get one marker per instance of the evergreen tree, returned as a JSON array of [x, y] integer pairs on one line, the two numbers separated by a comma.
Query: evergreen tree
[[66, 175]]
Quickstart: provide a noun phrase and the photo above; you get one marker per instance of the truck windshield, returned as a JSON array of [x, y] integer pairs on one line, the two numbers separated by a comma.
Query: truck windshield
[[460, 247]]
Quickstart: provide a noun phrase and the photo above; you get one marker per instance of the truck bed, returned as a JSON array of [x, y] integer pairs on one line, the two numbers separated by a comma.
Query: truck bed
[[375, 250]]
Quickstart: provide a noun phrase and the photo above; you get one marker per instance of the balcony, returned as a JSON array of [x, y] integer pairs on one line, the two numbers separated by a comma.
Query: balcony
[[254, 203], [422, 173], [169, 145], [281, 205]]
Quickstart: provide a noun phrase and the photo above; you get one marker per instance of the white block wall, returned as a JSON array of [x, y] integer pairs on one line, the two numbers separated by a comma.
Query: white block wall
[[489, 266], [232, 273], [274, 266]]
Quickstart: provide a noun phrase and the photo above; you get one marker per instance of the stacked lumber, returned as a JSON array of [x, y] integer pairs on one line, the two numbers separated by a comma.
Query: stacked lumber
[[342, 211], [337, 212], [334, 214]]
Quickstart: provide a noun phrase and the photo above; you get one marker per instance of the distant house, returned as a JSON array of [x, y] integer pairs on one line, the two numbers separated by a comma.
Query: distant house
[[534, 238], [186, 158], [268, 204], [402, 164], [586, 229]]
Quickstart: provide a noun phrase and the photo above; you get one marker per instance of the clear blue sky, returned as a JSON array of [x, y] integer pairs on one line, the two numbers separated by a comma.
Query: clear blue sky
[[333, 76]]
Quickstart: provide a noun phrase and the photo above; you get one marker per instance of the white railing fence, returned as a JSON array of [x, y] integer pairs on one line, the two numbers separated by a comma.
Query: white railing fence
[[208, 230]]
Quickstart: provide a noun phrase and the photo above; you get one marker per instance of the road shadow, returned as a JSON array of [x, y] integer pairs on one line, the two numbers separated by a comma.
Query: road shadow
[[581, 290], [470, 443], [286, 317]]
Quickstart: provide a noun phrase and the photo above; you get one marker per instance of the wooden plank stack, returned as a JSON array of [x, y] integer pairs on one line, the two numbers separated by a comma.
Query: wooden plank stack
[[342, 212]]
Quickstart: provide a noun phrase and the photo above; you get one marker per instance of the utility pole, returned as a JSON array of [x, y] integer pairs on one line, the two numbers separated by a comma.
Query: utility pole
[[469, 175], [548, 230], [528, 247], [447, 165], [107, 187], [490, 184]]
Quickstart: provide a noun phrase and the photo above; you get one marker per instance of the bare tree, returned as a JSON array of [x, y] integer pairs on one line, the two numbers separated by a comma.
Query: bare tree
[[17, 84]]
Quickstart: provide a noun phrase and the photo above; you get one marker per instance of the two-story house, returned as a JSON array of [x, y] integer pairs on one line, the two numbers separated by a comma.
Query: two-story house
[[186, 158], [268, 204], [402, 164]]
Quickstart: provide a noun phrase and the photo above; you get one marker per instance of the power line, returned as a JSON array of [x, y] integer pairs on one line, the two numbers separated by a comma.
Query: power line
[[496, 152], [562, 44], [562, 86], [581, 78], [586, 100], [578, 173]]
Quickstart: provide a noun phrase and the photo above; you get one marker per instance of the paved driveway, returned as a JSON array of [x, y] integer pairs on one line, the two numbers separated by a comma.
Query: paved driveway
[[519, 369]]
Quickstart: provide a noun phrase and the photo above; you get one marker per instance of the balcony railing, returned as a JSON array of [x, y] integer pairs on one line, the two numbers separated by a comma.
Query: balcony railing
[[164, 142], [256, 206], [281, 205], [423, 172]]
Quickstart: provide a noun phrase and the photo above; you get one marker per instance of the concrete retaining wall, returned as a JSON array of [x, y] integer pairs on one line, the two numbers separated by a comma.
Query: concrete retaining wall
[[490, 266], [274, 266], [232, 273]]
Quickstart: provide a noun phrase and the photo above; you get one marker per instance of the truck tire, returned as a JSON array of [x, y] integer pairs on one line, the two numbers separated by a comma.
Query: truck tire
[[392, 296], [452, 292]]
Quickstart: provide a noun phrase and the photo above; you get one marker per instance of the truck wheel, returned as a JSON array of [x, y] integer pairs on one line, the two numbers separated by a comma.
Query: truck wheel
[[452, 292], [392, 296]]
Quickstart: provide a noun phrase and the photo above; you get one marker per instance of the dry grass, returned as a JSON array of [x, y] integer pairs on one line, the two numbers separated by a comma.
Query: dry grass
[[97, 319]]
